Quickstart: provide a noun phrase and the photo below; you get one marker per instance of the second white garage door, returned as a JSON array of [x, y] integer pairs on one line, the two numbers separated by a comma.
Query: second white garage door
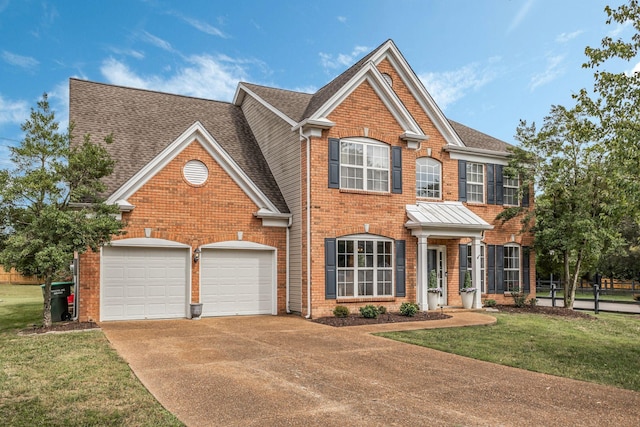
[[237, 282]]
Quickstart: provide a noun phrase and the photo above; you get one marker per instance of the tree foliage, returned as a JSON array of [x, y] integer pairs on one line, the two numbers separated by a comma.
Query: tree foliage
[[50, 204], [585, 161]]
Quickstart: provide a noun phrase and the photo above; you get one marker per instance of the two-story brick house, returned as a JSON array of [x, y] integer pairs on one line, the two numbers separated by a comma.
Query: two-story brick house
[[291, 202]]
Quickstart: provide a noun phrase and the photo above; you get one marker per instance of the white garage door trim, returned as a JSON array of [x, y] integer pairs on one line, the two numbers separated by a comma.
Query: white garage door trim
[[113, 302], [233, 252]]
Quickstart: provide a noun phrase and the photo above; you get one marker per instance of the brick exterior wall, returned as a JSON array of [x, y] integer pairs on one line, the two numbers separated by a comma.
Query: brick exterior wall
[[194, 215], [337, 212]]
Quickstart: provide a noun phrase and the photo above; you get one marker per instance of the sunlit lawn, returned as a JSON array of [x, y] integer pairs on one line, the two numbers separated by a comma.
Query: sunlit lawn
[[71, 379], [605, 351]]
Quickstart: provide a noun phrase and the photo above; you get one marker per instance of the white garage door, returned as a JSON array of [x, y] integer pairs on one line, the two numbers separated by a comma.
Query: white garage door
[[237, 282], [143, 283]]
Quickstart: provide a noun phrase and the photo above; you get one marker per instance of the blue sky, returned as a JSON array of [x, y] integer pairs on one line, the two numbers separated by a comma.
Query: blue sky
[[487, 63]]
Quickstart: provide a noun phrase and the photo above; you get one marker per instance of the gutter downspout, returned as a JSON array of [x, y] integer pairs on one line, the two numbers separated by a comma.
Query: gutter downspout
[[288, 270], [308, 316]]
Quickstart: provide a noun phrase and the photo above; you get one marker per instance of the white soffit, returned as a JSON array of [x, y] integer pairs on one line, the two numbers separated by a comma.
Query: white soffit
[[390, 51], [372, 75]]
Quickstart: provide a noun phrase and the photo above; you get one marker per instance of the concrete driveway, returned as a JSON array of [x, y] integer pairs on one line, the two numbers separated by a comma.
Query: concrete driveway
[[273, 371]]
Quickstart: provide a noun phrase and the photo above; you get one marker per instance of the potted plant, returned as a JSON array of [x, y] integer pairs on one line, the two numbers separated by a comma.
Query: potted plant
[[467, 292], [433, 291]]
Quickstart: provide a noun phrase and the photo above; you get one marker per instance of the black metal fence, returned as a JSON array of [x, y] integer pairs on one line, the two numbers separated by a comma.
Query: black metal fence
[[607, 286]]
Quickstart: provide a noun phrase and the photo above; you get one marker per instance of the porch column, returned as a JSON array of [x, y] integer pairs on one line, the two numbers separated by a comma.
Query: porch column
[[423, 273], [475, 271]]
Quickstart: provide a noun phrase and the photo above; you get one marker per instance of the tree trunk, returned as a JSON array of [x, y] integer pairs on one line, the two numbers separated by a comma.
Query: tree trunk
[[568, 296], [46, 311]]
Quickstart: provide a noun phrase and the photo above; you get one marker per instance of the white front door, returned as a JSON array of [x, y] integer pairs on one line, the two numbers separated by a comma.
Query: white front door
[[437, 260]]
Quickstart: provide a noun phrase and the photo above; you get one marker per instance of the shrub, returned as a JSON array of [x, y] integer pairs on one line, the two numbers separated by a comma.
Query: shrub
[[382, 309], [519, 299], [409, 309], [340, 311], [490, 303], [533, 302], [369, 311]]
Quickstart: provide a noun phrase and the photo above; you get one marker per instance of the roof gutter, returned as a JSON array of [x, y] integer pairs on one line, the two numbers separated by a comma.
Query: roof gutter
[[480, 151]]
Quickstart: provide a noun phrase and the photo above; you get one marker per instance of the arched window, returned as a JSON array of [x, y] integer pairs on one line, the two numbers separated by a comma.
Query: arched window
[[428, 178]]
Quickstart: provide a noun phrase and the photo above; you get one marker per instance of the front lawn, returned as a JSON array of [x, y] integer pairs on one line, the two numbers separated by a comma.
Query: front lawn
[[71, 379], [603, 350]]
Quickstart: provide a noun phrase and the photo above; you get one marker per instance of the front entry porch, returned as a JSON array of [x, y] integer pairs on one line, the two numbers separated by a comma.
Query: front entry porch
[[444, 221]]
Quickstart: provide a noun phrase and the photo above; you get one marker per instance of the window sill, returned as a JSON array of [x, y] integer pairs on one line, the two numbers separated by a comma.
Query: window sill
[[365, 299], [373, 193]]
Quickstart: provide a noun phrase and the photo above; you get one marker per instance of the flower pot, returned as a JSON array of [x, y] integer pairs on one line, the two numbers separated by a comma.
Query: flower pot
[[196, 310], [432, 300], [467, 298]]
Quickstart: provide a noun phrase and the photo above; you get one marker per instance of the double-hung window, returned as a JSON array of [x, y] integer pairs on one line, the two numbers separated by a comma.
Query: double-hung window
[[428, 177], [511, 191], [512, 268], [365, 268], [364, 166], [475, 182]]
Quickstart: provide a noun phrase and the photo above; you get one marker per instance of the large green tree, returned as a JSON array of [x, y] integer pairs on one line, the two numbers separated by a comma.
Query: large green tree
[[577, 210], [50, 205]]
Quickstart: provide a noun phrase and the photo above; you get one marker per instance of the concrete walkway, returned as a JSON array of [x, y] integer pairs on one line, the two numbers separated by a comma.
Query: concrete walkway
[[273, 371]]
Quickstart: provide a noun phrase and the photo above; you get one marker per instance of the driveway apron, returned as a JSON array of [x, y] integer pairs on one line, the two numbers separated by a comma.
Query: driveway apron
[[284, 370]]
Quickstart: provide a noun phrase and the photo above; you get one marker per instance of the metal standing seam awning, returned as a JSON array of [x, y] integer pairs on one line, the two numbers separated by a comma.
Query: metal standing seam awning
[[447, 220]]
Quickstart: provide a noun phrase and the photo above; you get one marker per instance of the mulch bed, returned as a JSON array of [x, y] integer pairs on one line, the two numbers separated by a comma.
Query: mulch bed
[[357, 320], [60, 327]]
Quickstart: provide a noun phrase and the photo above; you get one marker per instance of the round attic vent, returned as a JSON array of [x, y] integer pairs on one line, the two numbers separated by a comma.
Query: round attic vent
[[388, 79], [195, 172]]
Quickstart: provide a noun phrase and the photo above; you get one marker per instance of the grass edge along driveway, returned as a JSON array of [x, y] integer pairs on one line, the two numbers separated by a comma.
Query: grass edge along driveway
[[603, 350], [71, 379]]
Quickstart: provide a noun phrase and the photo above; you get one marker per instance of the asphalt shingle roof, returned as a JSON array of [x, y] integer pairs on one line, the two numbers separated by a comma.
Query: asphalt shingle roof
[[144, 122]]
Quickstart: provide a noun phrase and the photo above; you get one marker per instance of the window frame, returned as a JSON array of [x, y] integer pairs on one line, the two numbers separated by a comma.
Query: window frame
[[368, 149], [507, 268], [507, 183], [356, 268], [434, 163], [471, 184]]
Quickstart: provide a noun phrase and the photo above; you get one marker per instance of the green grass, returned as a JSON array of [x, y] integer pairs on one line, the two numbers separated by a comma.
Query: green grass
[[605, 351], [73, 379]]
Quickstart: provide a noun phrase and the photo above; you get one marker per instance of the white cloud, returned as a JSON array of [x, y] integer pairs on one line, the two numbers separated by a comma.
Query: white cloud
[[565, 37], [330, 62], [553, 70], [522, 13], [619, 29], [26, 62], [128, 52], [204, 27], [449, 86], [13, 112], [156, 41], [59, 101], [204, 76], [342, 19]]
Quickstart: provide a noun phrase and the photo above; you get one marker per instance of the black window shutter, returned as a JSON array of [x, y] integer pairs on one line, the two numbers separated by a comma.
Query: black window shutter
[[491, 268], [462, 180], [396, 170], [334, 163], [330, 275], [499, 185], [525, 196], [401, 268], [526, 286], [463, 263], [491, 189], [499, 269]]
